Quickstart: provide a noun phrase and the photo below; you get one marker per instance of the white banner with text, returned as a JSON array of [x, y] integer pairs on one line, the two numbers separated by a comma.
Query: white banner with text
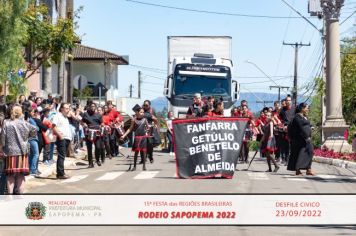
[[178, 209]]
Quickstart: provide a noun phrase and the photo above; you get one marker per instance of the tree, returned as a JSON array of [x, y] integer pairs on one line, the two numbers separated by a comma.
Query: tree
[[45, 42], [348, 77], [29, 40], [12, 38], [315, 113]]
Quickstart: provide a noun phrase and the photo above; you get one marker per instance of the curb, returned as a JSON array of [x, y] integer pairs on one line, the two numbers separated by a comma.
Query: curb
[[48, 170], [335, 162]]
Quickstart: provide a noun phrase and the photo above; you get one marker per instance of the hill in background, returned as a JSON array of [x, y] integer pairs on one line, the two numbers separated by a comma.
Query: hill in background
[[252, 99]]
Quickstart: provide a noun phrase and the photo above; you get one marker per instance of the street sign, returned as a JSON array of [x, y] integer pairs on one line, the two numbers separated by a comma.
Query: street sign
[[99, 89], [80, 82]]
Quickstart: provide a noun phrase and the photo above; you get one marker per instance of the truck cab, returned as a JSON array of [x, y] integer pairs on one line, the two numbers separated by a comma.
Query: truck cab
[[204, 74]]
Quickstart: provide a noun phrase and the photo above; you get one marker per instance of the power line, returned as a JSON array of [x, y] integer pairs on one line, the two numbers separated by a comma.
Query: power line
[[284, 37], [305, 18], [261, 77], [266, 81], [155, 77], [149, 90], [214, 12], [144, 82], [158, 70], [347, 17], [244, 88]]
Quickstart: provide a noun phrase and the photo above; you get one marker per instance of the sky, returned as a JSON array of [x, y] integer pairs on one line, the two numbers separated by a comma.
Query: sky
[[140, 31]]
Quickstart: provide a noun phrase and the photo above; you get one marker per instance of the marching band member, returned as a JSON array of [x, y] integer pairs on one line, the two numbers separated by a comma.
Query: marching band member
[[218, 109], [268, 143], [153, 123], [140, 126], [107, 123], [248, 132], [94, 134], [115, 117], [278, 128]]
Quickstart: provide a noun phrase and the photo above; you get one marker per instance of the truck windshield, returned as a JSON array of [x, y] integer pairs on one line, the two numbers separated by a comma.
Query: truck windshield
[[186, 85]]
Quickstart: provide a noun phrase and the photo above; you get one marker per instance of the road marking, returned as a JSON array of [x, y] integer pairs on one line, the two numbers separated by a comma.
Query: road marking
[[258, 176], [295, 178], [146, 175], [75, 179], [327, 176], [110, 176]]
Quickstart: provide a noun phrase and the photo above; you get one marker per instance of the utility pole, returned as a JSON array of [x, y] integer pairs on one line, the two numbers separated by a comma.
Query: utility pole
[[130, 90], [139, 85], [264, 102], [279, 90], [295, 82]]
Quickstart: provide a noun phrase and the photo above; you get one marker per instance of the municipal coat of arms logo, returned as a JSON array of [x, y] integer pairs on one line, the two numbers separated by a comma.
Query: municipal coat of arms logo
[[35, 211]]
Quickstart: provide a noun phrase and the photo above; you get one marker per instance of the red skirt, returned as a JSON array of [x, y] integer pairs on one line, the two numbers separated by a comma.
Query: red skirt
[[269, 145], [17, 165], [140, 144]]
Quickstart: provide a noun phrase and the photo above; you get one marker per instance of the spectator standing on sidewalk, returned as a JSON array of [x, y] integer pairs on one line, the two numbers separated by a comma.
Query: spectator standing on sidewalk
[[14, 139], [169, 123], [62, 129], [34, 147], [48, 136]]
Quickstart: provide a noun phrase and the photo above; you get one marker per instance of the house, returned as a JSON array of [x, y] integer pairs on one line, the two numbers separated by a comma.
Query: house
[[98, 66]]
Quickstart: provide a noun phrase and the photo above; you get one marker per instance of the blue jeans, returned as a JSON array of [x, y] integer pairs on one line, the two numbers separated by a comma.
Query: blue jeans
[[51, 151], [170, 140], [34, 154]]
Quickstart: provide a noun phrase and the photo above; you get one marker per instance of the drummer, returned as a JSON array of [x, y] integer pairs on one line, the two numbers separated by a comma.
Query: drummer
[[92, 121], [107, 123]]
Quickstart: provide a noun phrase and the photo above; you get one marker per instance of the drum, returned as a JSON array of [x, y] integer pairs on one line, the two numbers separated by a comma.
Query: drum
[[120, 131], [92, 134]]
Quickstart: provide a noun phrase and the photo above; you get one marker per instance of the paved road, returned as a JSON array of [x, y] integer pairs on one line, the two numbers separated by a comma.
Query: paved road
[[113, 177]]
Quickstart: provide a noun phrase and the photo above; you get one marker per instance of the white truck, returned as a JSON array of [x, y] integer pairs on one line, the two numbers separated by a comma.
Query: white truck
[[199, 64]]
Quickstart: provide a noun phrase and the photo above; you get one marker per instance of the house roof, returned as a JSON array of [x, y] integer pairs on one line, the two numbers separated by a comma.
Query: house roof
[[84, 53]]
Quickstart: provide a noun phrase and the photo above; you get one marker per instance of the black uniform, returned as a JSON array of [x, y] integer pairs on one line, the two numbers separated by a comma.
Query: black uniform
[[94, 134], [286, 115], [149, 117], [301, 147]]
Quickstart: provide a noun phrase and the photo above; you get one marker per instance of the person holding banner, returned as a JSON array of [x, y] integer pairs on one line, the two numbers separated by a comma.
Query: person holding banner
[[140, 126], [218, 109], [196, 109], [209, 106], [268, 143]]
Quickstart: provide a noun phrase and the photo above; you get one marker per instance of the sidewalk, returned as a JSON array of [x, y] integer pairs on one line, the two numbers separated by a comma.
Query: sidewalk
[[69, 162]]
